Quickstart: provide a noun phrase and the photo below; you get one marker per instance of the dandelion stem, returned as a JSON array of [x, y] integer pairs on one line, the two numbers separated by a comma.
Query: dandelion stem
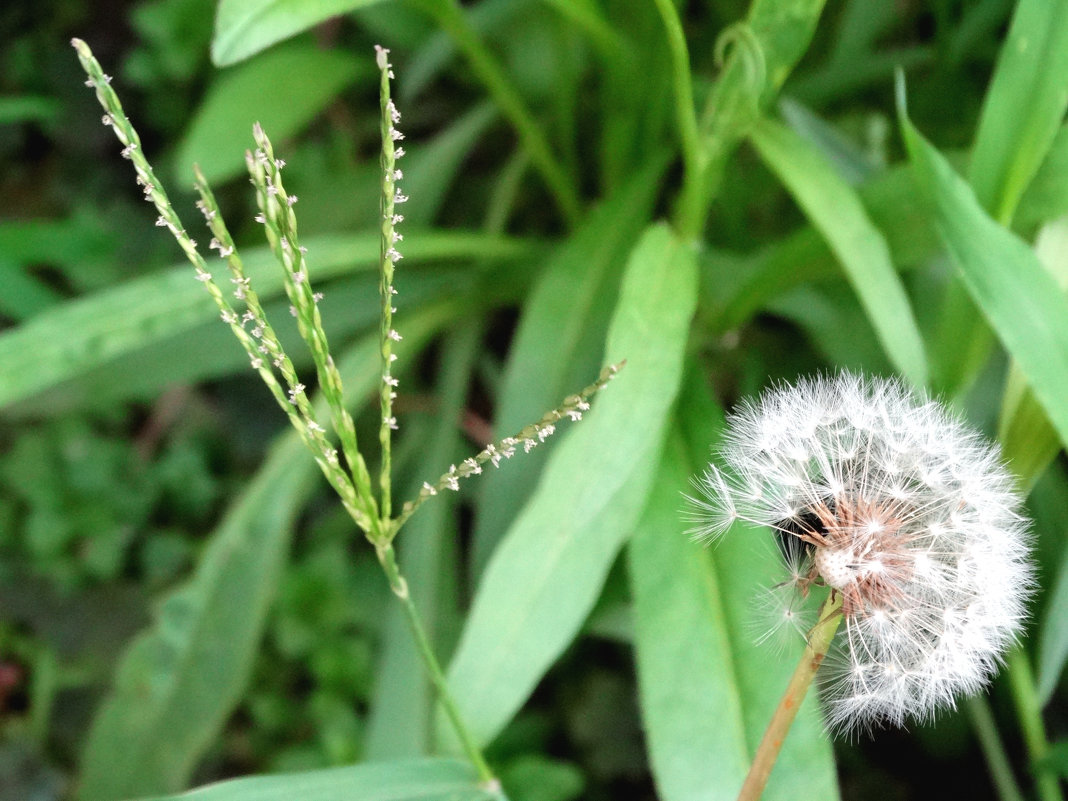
[[819, 640], [388, 559]]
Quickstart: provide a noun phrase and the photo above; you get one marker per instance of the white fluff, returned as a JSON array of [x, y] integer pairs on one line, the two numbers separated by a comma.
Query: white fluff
[[906, 512]]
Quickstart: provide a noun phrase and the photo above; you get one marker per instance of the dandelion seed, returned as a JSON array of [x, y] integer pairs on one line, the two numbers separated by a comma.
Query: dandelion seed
[[903, 511]]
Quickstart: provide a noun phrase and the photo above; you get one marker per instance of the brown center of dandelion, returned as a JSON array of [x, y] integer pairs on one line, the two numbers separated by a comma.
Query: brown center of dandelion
[[859, 549]]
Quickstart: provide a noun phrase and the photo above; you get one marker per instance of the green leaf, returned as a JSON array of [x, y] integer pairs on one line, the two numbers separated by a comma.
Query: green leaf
[[1046, 197], [1053, 637], [690, 699], [1029, 441], [835, 209], [70, 339], [283, 90], [245, 27], [558, 344], [1019, 298], [177, 683], [539, 778], [1024, 106], [410, 780], [707, 688], [548, 571]]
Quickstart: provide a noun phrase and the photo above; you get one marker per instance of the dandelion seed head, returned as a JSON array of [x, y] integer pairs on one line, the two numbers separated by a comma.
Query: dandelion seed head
[[904, 511]]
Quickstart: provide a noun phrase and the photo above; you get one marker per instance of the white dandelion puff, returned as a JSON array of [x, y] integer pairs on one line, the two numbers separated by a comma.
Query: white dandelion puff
[[901, 509]]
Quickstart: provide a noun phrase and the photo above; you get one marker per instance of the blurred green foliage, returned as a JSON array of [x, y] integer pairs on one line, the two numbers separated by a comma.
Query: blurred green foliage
[[135, 448]]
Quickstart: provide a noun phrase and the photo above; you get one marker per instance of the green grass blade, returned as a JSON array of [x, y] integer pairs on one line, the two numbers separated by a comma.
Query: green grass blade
[[690, 699], [177, 684], [1019, 298], [707, 689], [1029, 441], [409, 780], [283, 90], [245, 27], [835, 209], [71, 339], [559, 342], [1053, 636], [548, 571], [1024, 106]]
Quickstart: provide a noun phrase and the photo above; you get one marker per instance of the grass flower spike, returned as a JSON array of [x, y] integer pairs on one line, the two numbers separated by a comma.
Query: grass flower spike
[[906, 514]]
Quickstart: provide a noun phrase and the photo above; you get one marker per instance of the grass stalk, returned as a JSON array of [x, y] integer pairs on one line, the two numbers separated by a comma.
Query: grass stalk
[[997, 760], [450, 17]]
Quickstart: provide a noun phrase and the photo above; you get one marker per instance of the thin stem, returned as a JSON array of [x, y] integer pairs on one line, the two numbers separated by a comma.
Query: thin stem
[[819, 640], [1022, 683], [451, 18], [388, 559], [686, 119], [997, 761]]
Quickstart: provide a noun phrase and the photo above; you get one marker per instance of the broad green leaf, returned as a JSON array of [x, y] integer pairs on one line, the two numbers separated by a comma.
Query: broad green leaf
[[208, 351], [1022, 112], [178, 683], [690, 698], [1019, 298], [546, 574], [409, 780], [559, 342], [698, 607], [68, 340], [836, 211], [540, 778], [737, 289], [852, 163], [1053, 636], [1024, 106], [1028, 440], [1046, 197], [283, 90], [245, 27]]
